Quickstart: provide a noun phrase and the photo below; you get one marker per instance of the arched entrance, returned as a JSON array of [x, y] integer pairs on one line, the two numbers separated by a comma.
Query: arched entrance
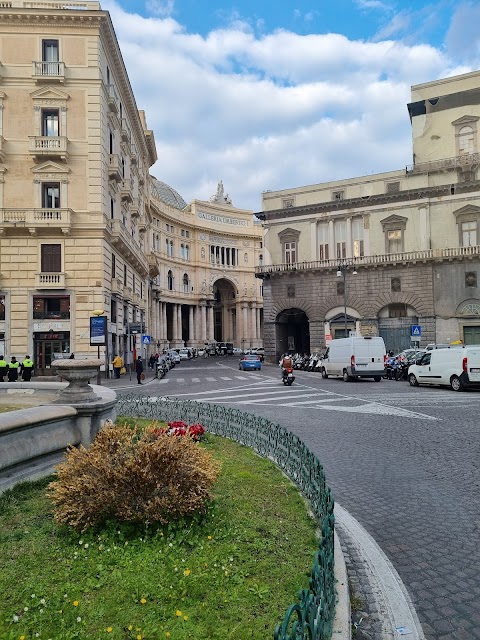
[[394, 325], [292, 332], [224, 313]]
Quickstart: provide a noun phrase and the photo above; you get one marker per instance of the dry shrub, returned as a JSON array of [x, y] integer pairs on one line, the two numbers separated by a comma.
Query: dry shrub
[[132, 476]]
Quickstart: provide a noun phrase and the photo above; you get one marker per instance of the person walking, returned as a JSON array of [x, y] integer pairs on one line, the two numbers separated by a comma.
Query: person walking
[[3, 368], [117, 365], [27, 369], [139, 369], [13, 370]]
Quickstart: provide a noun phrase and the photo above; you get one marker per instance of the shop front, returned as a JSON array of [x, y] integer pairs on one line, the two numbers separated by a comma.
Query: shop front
[[49, 346]]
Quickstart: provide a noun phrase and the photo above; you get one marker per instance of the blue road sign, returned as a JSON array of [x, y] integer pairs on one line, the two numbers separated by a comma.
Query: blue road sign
[[146, 339], [416, 331]]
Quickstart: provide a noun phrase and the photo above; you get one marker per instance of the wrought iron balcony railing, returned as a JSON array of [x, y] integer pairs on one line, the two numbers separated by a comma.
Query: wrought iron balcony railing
[[384, 259]]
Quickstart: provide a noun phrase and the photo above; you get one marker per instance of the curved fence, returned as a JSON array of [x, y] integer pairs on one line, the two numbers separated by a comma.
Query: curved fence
[[311, 617]]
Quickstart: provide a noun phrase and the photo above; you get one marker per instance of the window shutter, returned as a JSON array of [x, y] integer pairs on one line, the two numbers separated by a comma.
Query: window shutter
[[51, 260]]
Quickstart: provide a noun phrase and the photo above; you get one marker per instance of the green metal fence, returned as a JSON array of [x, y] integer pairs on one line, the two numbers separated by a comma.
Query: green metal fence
[[311, 617]]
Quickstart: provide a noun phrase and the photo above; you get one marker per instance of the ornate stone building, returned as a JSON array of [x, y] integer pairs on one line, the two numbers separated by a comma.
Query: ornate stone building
[[380, 254], [83, 226]]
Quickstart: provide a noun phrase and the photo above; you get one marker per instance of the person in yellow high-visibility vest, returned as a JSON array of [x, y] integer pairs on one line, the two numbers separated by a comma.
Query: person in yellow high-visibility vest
[[3, 368], [27, 369], [13, 368]]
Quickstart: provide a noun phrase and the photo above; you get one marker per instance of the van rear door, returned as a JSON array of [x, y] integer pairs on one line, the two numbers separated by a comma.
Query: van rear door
[[473, 363]]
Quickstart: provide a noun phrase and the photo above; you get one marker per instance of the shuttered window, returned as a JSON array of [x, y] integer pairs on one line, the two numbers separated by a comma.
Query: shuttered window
[[51, 258]]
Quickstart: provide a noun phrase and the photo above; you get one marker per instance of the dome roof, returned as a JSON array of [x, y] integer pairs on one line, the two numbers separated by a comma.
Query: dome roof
[[166, 194]]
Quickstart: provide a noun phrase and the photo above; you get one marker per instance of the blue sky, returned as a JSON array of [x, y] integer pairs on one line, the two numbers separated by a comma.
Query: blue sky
[[269, 95]]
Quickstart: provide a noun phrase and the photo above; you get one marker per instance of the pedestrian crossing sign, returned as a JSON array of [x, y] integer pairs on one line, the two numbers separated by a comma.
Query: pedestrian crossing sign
[[416, 331], [146, 339]]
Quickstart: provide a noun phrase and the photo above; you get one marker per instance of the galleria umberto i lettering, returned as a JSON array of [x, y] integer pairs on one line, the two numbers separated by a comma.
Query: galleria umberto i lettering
[[84, 227]]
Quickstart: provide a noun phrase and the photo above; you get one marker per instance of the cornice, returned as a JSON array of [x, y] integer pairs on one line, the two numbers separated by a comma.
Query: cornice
[[369, 201], [51, 17]]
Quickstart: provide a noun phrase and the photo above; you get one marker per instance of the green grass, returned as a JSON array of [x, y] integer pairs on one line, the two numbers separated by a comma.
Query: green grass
[[228, 575], [5, 409]]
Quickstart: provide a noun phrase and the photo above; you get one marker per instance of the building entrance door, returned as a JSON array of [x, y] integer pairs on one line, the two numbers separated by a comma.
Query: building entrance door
[[471, 335], [48, 347]]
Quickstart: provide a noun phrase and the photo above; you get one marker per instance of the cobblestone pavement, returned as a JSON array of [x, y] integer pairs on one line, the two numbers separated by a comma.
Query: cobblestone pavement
[[403, 461]]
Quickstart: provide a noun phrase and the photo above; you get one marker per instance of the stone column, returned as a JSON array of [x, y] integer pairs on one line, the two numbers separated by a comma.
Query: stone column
[[259, 325], [210, 332], [164, 321], [245, 325], [239, 326], [179, 322], [191, 330], [203, 322], [253, 322], [175, 323], [366, 234]]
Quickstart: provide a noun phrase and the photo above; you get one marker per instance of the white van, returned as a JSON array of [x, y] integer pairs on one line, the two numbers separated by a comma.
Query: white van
[[457, 367], [355, 357]]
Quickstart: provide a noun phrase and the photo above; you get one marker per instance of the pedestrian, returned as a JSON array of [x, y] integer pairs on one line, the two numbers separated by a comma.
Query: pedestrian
[[71, 356], [117, 365], [3, 368], [151, 361], [27, 369], [139, 369], [13, 370]]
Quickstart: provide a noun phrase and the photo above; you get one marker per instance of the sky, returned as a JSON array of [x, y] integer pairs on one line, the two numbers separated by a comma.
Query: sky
[[268, 95]]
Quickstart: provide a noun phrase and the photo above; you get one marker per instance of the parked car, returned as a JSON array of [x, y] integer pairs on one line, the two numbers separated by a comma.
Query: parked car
[[174, 355], [249, 362], [355, 357], [201, 352], [458, 368], [237, 351], [185, 354]]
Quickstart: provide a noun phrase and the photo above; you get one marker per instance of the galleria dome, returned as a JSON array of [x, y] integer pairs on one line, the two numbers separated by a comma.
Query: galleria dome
[[166, 194]]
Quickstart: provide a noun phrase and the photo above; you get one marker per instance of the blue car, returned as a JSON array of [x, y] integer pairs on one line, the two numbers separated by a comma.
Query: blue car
[[249, 362]]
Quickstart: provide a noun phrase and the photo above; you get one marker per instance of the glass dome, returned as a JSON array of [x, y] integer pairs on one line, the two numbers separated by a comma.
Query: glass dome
[[166, 194]]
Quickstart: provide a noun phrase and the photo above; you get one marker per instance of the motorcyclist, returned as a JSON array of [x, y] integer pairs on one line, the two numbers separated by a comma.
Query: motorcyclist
[[286, 363]]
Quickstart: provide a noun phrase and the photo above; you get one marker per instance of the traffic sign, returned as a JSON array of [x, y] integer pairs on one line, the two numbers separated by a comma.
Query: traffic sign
[[136, 327], [146, 339], [416, 331]]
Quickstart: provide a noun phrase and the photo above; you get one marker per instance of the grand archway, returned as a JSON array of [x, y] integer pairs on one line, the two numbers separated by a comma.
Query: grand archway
[[224, 313], [292, 332]]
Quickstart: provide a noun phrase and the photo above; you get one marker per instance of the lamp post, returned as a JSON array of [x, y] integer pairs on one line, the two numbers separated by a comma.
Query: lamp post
[[342, 270]]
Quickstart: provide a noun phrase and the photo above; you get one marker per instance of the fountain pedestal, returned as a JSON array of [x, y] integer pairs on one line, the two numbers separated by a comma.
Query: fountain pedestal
[[78, 373]]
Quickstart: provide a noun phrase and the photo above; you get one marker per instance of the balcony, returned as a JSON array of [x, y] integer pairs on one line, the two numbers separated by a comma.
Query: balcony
[[116, 286], [128, 247], [153, 267], [34, 219], [114, 170], [126, 191], [48, 146], [408, 257], [136, 298], [127, 293], [50, 281], [467, 161], [135, 208], [112, 99], [125, 131], [48, 72]]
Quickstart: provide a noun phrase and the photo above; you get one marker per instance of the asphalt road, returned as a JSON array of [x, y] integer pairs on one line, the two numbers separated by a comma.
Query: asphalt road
[[403, 461]]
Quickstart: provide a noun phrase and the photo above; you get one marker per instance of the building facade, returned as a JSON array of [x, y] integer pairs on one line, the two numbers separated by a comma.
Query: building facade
[[78, 206], [379, 254]]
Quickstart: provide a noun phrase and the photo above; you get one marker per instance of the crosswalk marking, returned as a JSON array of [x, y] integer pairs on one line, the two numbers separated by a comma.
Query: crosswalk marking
[[211, 379], [224, 378], [195, 379]]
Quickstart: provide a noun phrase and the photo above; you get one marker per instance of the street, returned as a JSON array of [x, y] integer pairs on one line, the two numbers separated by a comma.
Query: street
[[403, 461]]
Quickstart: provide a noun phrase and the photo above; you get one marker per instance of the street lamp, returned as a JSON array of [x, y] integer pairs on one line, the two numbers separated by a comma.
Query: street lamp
[[342, 270]]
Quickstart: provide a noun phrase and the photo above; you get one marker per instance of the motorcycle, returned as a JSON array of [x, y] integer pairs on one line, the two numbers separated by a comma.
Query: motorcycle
[[288, 377]]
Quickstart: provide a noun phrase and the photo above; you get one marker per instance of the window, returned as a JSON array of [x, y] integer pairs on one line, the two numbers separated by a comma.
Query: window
[[260, 260], [169, 247], [187, 252], [124, 275], [394, 240], [466, 140], [471, 279], [114, 265], [290, 252], [357, 237], [323, 253], [50, 58], [51, 307], [182, 252], [51, 258], [112, 209], [186, 283], [110, 143], [113, 310], [341, 239], [469, 233], [170, 281], [50, 122], [2, 308], [185, 233], [50, 195], [395, 285], [397, 310]]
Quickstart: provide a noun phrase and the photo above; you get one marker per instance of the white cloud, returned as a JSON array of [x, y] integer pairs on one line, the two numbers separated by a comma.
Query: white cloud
[[463, 37], [161, 8], [270, 112]]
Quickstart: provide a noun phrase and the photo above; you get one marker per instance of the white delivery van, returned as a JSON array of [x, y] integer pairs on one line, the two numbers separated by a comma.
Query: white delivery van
[[457, 367], [355, 357]]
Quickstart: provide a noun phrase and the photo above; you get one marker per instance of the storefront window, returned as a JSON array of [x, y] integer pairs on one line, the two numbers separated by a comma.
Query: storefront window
[[2, 307]]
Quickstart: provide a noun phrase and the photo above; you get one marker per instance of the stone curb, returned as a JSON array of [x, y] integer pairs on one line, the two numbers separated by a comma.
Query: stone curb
[[342, 629]]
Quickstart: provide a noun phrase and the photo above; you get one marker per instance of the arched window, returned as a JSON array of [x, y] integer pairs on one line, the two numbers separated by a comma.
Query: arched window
[[170, 281], [186, 283], [466, 140], [260, 260]]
